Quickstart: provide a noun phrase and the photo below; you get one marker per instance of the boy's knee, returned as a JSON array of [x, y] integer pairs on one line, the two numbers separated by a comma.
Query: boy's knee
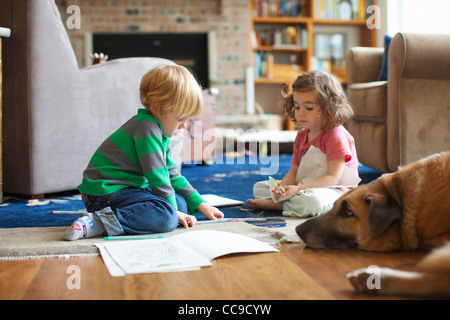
[[167, 220], [168, 225]]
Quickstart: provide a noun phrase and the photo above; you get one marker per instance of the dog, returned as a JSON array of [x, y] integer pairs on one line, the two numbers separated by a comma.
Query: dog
[[405, 210]]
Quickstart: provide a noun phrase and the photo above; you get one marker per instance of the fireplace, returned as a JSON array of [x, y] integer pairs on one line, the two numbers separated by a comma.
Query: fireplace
[[187, 49]]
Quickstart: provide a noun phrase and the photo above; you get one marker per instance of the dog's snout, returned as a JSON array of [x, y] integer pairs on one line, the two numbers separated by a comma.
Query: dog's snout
[[302, 229], [315, 233]]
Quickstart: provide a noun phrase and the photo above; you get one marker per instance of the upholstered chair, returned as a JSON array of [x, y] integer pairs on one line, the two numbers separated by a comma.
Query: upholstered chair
[[405, 117]]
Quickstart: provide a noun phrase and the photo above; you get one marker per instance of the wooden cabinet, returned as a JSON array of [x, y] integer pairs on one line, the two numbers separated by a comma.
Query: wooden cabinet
[[283, 39]]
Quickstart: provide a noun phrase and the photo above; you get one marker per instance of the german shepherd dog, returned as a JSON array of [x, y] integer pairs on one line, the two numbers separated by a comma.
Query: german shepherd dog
[[405, 210]]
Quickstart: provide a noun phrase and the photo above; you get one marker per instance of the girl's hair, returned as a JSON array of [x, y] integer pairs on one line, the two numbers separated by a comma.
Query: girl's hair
[[332, 99], [174, 88]]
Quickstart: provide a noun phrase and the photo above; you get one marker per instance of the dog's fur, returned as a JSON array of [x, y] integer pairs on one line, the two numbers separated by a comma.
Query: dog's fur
[[405, 210]]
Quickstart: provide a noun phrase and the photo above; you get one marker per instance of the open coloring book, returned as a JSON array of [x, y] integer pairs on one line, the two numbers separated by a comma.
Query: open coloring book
[[186, 251]]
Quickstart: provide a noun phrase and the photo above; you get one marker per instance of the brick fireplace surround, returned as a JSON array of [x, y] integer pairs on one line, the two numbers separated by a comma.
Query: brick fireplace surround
[[230, 19]]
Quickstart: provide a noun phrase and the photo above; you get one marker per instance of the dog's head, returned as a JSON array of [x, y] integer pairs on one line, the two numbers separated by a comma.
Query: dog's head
[[364, 218]]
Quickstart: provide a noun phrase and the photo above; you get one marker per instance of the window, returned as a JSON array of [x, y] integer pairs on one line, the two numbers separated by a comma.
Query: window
[[420, 16]]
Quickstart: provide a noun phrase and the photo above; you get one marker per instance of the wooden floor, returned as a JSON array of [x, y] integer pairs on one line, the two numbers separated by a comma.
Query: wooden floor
[[295, 272]]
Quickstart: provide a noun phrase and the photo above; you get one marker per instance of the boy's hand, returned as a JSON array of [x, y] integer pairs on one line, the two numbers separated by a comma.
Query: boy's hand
[[186, 219], [210, 212]]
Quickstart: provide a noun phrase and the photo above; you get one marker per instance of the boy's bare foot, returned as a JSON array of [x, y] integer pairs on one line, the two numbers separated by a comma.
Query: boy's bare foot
[[264, 204]]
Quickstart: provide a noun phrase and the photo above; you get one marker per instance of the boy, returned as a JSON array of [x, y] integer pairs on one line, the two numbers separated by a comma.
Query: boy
[[131, 184]]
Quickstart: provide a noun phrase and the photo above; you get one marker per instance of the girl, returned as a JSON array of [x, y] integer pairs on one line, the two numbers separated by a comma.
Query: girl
[[324, 152], [131, 184]]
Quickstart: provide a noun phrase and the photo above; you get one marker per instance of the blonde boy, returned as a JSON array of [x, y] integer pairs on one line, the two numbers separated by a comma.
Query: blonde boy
[[131, 184]]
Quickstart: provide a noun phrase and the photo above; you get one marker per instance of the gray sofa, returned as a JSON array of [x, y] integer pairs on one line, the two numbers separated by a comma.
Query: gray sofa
[[54, 114]]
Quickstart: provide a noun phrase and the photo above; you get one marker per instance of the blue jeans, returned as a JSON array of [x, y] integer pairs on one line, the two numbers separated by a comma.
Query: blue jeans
[[135, 211]]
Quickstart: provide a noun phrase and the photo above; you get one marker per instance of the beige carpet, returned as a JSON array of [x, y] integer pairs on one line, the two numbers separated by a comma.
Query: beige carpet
[[31, 243]]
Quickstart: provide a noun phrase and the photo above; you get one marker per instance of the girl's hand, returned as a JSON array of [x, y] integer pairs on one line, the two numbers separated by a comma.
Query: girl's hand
[[186, 219], [288, 190], [210, 212]]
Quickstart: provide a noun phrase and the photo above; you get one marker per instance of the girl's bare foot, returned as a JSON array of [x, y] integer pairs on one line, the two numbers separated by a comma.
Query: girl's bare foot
[[264, 204]]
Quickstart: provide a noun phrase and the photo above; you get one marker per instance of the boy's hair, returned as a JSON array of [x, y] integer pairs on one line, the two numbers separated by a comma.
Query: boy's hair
[[332, 99], [174, 88]]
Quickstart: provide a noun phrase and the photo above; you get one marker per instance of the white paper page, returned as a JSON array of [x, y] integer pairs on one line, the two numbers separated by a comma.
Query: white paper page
[[116, 271], [217, 201], [111, 265], [159, 255], [212, 244]]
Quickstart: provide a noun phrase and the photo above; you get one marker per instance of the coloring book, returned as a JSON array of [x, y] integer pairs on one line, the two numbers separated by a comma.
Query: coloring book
[[183, 252]]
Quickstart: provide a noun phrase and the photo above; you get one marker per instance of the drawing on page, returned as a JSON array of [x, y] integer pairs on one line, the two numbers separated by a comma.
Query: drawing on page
[[165, 255]]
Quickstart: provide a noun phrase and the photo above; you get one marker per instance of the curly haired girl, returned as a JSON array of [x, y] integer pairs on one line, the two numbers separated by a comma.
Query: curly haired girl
[[319, 105]]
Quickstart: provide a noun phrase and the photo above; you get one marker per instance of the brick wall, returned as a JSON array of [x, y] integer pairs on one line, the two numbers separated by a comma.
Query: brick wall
[[228, 18]]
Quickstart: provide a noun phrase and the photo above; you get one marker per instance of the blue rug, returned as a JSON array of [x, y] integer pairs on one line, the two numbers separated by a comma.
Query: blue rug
[[232, 178]]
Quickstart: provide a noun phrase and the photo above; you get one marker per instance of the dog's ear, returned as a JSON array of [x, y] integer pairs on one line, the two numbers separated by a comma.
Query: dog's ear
[[383, 210]]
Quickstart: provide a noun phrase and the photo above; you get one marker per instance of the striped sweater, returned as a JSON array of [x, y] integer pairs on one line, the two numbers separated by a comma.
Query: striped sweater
[[137, 156]]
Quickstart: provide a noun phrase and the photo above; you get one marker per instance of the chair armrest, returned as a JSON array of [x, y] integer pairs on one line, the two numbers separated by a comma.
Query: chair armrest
[[364, 64], [419, 56]]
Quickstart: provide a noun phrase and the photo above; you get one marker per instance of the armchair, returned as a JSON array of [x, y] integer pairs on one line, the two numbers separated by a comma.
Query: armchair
[[407, 117], [54, 114]]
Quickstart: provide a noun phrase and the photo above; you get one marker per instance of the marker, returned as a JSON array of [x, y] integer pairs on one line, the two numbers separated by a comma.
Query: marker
[[230, 220], [278, 188], [278, 185], [139, 237]]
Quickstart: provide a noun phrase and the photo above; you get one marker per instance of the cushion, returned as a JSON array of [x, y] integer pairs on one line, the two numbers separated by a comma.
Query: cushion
[[384, 64]]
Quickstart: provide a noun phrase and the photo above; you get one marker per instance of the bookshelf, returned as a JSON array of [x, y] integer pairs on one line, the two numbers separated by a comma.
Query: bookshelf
[[282, 38]]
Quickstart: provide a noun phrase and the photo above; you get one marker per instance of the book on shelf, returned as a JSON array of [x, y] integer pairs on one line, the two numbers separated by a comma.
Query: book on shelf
[[266, 68], [263, 64], [341, 9], [290, 37], [260, 62], [280, 8]]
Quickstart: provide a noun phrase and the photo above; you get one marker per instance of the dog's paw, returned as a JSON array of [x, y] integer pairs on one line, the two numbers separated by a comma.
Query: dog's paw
[[365, 280]]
